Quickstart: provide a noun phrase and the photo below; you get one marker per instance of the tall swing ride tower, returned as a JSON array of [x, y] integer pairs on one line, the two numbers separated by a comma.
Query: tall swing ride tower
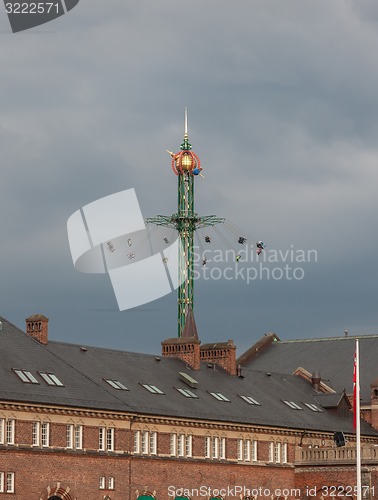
[[187, 167]]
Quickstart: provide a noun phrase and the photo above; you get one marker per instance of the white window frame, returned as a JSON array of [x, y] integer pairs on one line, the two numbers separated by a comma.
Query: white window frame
[[78, 437], [137, 442], [215, 447], [110, 483], [277, 452], [1, 482], [284, 453], [102, 482], [173, 445], [240, 449], [2, 430], [10, 482], [70, 436], [36, 434], [207, 446], [247, 450], [144, 443], [153, 443], [101, 438], [254, 450], [188, 445], [222, 448], [271, 452], [45, 434], [181, 445], [10, 428], [110, 439]]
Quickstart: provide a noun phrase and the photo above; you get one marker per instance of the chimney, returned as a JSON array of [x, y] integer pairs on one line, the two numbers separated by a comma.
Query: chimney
[[222, 354], [37, 328], [186, 347], [316, 379]]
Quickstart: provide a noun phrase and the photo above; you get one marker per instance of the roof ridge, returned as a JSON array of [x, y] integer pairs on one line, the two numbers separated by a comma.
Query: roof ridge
[[322, 339]]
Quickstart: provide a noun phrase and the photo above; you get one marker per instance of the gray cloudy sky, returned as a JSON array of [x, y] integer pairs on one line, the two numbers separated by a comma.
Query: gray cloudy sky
[[283, 112]]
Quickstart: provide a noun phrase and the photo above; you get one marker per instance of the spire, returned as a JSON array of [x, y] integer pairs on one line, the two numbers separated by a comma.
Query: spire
[[190, 329], [185, 146]]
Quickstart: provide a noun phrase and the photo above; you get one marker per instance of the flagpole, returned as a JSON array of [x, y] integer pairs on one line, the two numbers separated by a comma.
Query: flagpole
[[358, 421]]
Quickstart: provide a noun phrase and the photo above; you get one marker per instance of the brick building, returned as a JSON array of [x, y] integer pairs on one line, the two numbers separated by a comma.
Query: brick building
[[80, 422]]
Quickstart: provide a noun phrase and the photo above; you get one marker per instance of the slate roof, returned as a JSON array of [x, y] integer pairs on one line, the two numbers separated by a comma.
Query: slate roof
[[83, 372], [333, 357]]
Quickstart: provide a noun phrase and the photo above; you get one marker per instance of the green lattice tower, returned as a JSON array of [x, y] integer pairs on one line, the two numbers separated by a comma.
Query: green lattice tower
[[186, 165]]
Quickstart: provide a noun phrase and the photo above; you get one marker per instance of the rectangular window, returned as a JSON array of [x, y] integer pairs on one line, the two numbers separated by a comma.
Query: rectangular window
[[214, 447], [137, 442], [284, 453], [116, 384], [10, 482], [1, 482], [101, 438], [188, 445], [145, 442], [172, 445], [111, 483], [102, 482], [153, 443], [2, 428], [277, 453], [222, 448], [26, 377], [69, 436], [10, 431], [247, 450], [254, 450], [110, 439], [240, 450], [51, 379], [36, 433], [207, 446], [180, 445], [79, 437], [45, 434], [271, 452]]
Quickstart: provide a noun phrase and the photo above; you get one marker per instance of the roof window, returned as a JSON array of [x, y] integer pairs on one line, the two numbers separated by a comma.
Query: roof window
[[26, 376], [116, 384], [51, 379], [250, 400], [153, 389], [187, 393], [219, 396]]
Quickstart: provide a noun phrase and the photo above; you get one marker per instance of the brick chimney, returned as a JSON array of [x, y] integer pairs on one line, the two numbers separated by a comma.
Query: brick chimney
[[222, 354], [186, 347], [37, 328]]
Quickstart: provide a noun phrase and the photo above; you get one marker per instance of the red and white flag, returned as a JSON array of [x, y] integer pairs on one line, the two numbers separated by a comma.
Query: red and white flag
[[355, 390]]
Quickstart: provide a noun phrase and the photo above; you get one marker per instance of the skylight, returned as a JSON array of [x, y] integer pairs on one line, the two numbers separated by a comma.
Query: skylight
[[313, 407], [188, 380], [187, 393], [219, 396], [51, 379], [26, 377], [250, 400], [153, 389], [116, 384], [293, 405]]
